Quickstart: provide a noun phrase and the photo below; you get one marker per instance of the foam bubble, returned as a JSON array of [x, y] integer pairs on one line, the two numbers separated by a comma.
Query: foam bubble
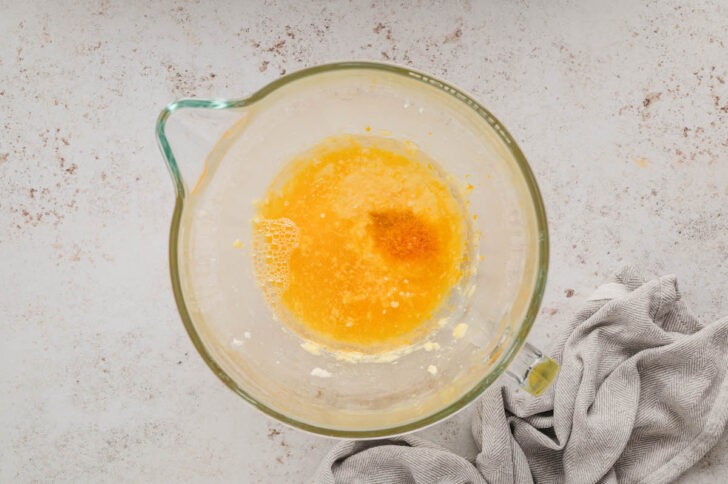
[[273, 242]]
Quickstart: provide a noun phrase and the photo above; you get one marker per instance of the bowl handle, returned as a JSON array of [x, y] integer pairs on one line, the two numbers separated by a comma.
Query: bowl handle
[[187, 138], [533, 370]]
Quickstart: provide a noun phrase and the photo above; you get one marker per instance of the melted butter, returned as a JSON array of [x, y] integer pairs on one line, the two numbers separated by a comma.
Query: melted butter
[[358, 242]]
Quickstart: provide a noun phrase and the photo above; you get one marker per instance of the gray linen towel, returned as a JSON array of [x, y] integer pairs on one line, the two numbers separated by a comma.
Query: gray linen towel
[[642, 395]]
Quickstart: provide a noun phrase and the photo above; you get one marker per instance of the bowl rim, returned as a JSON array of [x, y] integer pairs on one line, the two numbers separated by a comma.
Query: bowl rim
[[505, 357]]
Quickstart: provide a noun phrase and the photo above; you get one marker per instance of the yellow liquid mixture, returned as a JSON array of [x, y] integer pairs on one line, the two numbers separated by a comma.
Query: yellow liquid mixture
[[358, 242]]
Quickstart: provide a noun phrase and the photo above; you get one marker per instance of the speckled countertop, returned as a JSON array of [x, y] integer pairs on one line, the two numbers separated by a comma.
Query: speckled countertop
[[621, 109]]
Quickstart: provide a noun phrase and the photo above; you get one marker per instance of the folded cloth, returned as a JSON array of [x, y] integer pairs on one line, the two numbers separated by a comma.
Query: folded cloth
[[641, 396]]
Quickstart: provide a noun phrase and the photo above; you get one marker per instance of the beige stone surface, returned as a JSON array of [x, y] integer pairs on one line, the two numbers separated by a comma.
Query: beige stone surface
[[621, 108]]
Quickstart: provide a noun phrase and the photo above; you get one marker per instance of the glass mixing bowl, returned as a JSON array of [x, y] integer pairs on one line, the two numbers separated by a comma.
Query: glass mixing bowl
[[244, 143]]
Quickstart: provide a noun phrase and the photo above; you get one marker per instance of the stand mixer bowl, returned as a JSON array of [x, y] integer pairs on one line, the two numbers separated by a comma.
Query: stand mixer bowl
[[230, 150]]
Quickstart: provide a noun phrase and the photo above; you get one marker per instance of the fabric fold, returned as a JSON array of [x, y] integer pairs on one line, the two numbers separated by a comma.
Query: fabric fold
[[641, 396]]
